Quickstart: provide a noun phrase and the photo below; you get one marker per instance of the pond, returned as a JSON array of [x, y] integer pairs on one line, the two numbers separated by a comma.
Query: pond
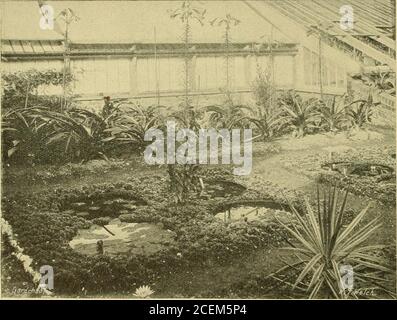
[[106, 205], [253, 210], [122, 238], [222, 189]]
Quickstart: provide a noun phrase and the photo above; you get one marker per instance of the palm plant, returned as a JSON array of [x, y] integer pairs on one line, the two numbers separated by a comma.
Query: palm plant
[[299, 115], [322, 243]]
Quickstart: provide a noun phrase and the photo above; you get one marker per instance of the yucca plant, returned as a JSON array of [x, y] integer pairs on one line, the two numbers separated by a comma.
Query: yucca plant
[[322, 243], [299, 115]]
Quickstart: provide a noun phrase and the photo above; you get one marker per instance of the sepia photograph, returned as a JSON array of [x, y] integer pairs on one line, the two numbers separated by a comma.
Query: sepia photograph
[[172, 150]]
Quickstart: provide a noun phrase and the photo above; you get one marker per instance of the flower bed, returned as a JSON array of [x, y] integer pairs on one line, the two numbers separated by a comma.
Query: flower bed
[[44, 230]]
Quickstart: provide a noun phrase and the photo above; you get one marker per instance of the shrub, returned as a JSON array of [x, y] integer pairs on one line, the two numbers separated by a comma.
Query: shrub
[[265, 114], [21, 88]]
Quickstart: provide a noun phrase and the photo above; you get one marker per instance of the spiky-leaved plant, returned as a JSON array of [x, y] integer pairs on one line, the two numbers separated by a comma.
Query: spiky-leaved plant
[[322, 243], [333, 114], [360, 112], [298, 114], [183, 177]]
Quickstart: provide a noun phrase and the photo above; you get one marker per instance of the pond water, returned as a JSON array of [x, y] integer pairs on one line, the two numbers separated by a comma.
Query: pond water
[[222, 189], [91, 208], [248, 214], [253, 210], [122, 238]]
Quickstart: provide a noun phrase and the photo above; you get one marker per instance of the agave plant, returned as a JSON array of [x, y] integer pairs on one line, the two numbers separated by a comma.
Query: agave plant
[[360, 112], [81, 132], [383, 80], [130, 126], [191, 117], [322, 243], [299, 115], [227, 115], [268, 123], [333, 114], [23, 133]]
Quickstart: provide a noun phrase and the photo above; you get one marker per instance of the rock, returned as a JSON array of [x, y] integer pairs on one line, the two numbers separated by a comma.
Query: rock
[[94, 208]]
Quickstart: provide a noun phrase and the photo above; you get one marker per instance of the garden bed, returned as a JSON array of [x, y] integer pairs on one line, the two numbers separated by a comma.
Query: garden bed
[[352, 170], [51, 235]]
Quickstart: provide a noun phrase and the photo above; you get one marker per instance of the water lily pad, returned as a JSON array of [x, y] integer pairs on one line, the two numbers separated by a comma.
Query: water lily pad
[[122, 238]]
